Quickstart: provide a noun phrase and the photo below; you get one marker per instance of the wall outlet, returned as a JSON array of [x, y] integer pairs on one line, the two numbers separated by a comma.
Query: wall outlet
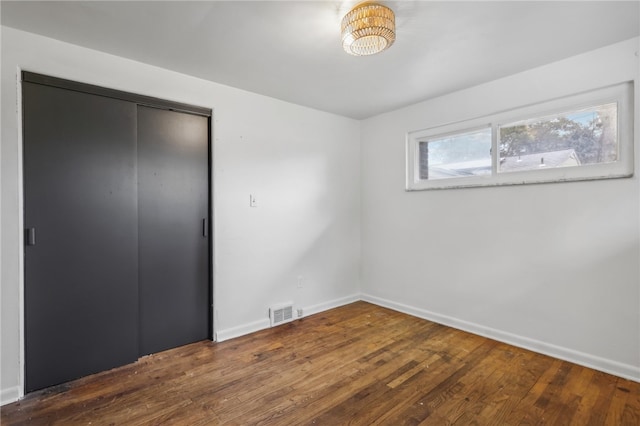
[[299, 312], [300, 281]]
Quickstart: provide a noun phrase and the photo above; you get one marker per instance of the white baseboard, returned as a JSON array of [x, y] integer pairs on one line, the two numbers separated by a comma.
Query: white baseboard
[[626, 371], [321, 307], [252, 327], [7, 396], [241, 330]]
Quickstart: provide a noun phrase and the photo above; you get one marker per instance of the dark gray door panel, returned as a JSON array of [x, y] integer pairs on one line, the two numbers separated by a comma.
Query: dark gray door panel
[[173, 179], [81, 256]]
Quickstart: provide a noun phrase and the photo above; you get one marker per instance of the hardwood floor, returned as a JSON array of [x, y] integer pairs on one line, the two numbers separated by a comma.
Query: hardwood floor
[[359, 364]]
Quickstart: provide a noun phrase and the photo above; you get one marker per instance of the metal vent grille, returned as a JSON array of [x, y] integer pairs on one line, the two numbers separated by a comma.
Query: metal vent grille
[[281, 314]]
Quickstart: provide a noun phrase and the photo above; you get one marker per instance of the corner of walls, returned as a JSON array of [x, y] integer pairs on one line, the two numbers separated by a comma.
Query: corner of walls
[[619, 369], [551, 267], [360, 203]]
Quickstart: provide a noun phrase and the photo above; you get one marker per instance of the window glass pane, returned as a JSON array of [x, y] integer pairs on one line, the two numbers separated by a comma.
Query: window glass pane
[[459, 155], [587, 136]]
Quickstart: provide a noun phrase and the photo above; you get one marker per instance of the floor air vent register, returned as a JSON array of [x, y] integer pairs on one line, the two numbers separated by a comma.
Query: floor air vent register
[[281, 314]]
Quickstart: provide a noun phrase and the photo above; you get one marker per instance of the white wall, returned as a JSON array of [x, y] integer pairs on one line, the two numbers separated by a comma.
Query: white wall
[[552, 267], [302, 164]]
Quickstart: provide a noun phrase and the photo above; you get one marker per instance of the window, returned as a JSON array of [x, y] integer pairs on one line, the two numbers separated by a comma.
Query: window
[[581, 137], [462, 154]]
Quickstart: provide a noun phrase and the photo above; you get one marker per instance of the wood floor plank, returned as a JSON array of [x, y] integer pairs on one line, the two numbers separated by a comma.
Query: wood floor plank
[[605, 385], [631, 413], [617, 407], [484, 389], [359, 364], [447, 385]]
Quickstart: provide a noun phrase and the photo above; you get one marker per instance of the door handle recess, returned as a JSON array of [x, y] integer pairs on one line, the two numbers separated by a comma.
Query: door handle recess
[[205, 228], [31, 236]]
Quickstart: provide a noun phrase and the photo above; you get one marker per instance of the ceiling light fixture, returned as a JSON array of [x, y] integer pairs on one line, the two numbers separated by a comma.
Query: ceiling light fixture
[[369, 28]]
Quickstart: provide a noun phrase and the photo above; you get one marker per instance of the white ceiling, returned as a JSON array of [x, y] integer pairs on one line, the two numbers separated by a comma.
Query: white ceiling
[[291, 49]]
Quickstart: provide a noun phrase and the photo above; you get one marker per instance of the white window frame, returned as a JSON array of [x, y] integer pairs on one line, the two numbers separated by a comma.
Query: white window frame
[[621, 94]]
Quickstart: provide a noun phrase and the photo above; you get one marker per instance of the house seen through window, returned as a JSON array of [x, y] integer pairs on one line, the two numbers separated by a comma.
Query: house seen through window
[[577, 138]]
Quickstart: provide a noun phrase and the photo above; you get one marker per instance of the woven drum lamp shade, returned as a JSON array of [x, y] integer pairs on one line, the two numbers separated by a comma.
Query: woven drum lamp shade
[[367, 29]]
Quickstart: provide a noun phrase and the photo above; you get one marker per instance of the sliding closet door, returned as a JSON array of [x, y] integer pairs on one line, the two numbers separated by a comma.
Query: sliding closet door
[[173, 208], [81, 242]]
